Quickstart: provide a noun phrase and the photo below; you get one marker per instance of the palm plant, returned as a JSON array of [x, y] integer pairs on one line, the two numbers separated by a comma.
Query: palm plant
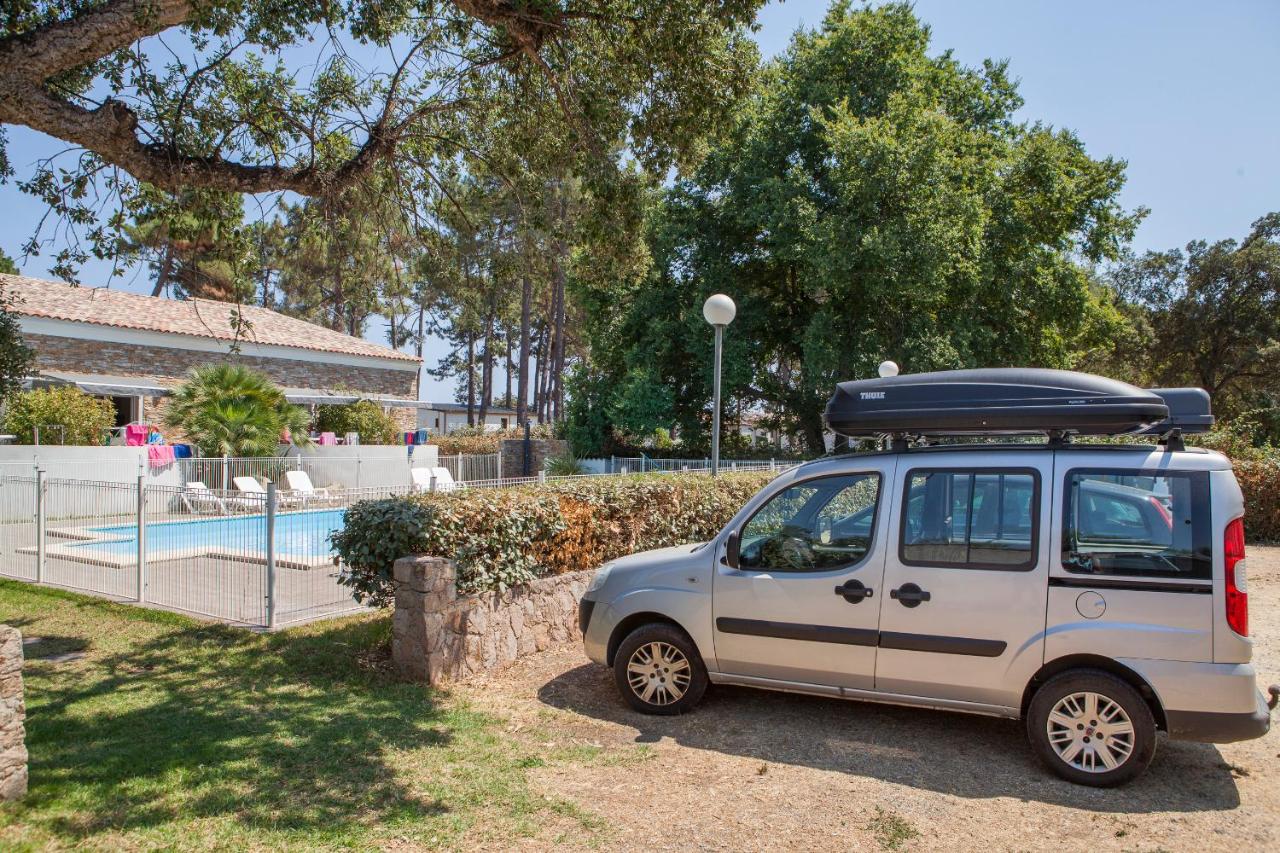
[[228, 409]]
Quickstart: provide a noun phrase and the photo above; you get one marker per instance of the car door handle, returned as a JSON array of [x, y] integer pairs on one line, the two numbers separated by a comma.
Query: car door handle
[[909, 595], [854, 591]]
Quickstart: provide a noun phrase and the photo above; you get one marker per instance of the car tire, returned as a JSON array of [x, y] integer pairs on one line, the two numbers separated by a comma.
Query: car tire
[[1092, 728], [659, 671]]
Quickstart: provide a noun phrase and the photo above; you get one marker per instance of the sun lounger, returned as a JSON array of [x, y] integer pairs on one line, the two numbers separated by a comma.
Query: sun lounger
[[199, 499], [300, 485], [250, 486], [434, 480]]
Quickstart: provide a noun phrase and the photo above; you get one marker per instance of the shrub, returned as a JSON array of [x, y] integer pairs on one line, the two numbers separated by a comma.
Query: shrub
[[501, 538], [565, 465], [1260, 482], [363, 417], [230, 409], [471, 440], [84, 419]]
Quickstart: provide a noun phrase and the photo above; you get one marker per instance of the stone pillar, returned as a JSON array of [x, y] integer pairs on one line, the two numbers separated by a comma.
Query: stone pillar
[[425, 589], [13, 750]]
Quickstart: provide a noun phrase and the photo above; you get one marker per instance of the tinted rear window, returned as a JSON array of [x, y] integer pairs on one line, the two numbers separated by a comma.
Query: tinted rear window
[[1138, 523]]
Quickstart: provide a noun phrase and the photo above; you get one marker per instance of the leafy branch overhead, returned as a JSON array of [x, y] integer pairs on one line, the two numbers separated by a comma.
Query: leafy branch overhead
[[183, 94]]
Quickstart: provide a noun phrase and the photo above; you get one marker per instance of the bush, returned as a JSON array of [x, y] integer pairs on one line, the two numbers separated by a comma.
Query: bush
[[1260, 482], [565, 465], [84, 419], [230, 409], [469, 440], [501, 538], [364, 417]]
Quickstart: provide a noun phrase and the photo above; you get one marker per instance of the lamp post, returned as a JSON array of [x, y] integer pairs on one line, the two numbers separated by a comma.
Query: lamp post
[[719, 311]]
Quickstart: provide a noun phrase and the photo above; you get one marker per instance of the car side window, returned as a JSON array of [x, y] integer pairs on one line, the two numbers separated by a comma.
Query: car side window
[[815, 526], [970, 519], [1153, 524]]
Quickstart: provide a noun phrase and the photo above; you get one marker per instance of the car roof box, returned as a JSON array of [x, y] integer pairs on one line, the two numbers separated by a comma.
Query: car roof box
[[993, 401], [1189, 411]]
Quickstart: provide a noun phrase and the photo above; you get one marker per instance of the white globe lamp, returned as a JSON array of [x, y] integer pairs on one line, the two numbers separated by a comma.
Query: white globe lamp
[[719, 310], [887, 369]]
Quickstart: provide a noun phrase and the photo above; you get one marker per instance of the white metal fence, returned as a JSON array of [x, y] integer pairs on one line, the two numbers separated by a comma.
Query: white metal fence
[[258, 559]]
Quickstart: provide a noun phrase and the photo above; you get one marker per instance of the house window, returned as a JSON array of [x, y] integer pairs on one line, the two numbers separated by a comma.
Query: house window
[[504, 423]]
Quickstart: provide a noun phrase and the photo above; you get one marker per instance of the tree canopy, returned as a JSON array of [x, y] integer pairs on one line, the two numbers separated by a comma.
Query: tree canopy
[[292, 95], [871, 201], [1208, 316]]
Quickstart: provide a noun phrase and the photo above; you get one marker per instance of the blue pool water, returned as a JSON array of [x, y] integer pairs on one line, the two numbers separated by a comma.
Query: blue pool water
[[300, 534]]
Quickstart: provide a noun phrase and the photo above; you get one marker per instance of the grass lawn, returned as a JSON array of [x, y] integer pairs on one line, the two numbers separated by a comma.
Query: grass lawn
[[165, 732]]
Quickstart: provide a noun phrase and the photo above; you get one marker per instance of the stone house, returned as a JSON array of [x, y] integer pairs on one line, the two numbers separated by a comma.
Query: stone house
[[133, 349]]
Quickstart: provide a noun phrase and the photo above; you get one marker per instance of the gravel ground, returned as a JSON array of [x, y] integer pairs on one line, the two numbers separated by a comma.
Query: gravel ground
[[755, 770]]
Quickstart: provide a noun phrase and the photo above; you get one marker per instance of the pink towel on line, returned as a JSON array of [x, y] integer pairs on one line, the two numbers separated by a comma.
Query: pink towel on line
[[135, 435], [328, 438], [160, 455]]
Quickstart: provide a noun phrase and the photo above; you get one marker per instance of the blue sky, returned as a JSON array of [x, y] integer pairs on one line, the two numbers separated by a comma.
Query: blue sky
[[1186, 92]]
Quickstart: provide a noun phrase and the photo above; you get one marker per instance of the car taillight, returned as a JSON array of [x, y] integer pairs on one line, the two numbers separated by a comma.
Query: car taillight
[[1237, 591]]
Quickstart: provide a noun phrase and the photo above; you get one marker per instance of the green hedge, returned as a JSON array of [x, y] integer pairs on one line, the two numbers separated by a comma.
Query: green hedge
[[1260, 482], [503, 537]]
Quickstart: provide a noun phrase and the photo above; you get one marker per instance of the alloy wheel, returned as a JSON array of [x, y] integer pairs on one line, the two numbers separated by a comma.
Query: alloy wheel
[[658, 673], [1090, 732]]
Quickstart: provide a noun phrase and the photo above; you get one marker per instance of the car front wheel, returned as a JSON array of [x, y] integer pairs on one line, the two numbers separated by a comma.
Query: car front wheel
[[1092, 728], [659, 671]]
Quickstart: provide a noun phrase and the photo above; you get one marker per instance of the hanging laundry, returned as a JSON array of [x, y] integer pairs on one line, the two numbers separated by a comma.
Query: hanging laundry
[[135, 435], [160, 455], [182, 451], [328, 438]]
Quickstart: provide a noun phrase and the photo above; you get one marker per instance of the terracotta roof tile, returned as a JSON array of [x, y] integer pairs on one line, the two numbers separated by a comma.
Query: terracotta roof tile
[[202, 318]]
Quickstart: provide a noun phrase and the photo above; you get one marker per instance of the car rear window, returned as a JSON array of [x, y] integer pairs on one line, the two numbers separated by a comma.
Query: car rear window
[[1137, 523]]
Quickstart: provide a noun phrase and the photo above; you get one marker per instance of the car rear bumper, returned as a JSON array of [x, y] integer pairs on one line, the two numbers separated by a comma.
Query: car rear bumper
[[1216, 727]]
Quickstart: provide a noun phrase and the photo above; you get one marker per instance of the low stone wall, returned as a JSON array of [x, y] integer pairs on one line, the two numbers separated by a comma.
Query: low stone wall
[[13, 750], [439, 637]]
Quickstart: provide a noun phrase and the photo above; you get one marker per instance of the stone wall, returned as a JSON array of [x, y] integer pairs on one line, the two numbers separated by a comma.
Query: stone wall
[[170, 365], [439, 637], [540, 450], [13, 750]]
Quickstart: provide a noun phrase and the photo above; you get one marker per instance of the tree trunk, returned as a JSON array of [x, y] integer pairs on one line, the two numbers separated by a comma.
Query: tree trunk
[[526, 306], [471, 380], [165, 273], [557, 354], [510, 368]]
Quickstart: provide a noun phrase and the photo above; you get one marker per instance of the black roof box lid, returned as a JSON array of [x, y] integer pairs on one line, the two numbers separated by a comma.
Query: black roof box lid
[[993, 401], [1189, 411]]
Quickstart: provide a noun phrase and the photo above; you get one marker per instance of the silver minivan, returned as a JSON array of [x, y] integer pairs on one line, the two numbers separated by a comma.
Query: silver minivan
[[1096, 591]]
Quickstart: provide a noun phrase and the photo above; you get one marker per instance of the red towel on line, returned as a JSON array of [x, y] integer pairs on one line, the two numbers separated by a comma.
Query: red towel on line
[[135, 435], [160, 455]]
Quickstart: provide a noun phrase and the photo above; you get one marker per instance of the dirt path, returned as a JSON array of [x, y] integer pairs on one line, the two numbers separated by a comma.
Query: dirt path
[[754, 770]]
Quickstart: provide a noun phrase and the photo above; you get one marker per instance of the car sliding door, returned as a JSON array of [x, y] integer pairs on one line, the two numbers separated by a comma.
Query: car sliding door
[[963, 612], [802, 604]]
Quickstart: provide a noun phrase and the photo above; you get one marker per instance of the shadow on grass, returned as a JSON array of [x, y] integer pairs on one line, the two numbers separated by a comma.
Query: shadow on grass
[[958, 754], [287, 732]]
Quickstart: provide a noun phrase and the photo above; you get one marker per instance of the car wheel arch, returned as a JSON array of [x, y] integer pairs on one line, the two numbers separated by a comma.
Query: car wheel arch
[[1086, 661], [629, 623]]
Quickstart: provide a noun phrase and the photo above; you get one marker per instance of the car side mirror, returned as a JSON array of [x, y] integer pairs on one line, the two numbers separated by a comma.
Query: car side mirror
[[731, 548]]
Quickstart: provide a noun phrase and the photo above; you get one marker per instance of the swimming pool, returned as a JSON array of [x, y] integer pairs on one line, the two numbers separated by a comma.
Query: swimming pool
[[302, 535]]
